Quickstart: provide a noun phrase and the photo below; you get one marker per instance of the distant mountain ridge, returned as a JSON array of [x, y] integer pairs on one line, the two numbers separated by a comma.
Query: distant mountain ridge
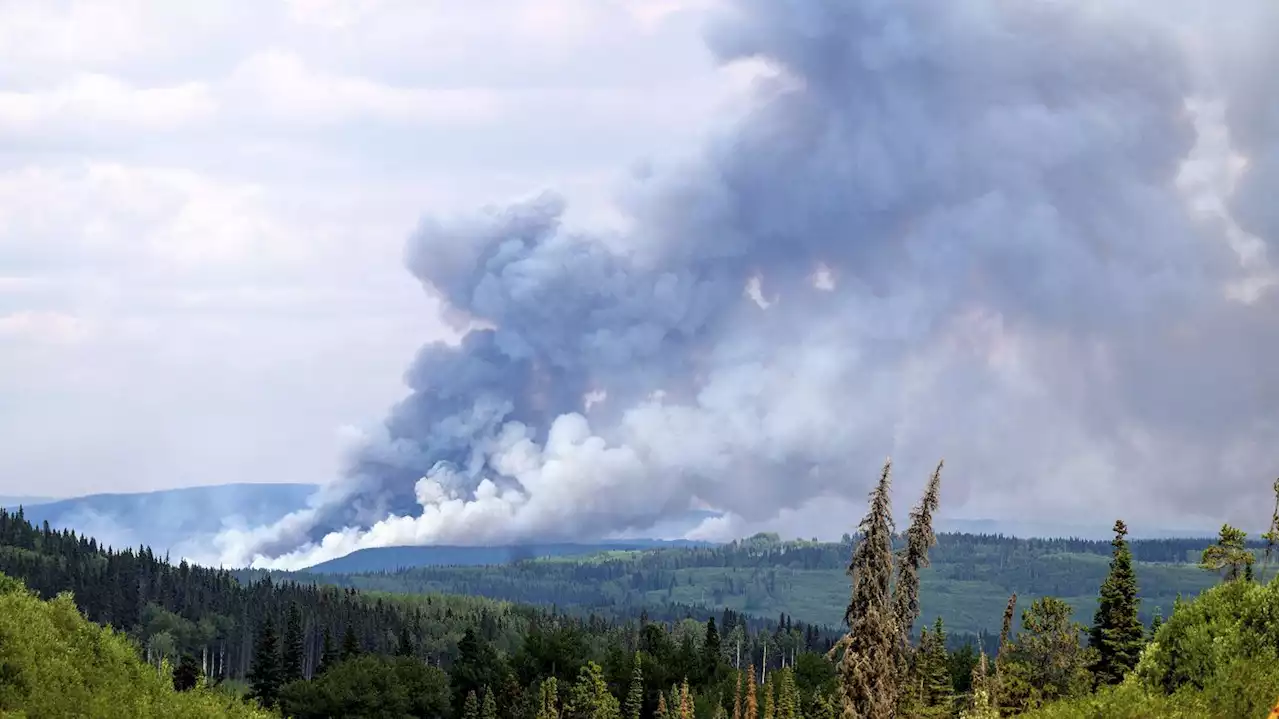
[[13, 501], [391, 559], [168, 519]]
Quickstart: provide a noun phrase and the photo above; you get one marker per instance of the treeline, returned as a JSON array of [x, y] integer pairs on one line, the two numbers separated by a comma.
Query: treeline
[[763, 576]]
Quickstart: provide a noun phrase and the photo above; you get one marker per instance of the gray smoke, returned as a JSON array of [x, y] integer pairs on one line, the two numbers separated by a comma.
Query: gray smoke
[[1007, 232]]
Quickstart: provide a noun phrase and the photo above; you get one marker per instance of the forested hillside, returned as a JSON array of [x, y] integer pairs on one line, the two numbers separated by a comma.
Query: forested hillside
[[765, 577]]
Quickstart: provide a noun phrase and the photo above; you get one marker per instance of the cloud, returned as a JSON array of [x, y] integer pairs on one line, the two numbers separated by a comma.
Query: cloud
[[1035, 267]]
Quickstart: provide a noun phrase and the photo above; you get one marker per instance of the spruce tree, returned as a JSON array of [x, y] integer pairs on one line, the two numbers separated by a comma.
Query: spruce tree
[[291, 661], [1117, 632], [471, 707], [737, 695], [913, 557], [488, 707], [404, 647], [711, 650], [265, 671], [328, 653], [1272, 536], [635, 693], [749, 701], [937, 679], [350, 645], [662, 712], [868, 669], [769, 708]]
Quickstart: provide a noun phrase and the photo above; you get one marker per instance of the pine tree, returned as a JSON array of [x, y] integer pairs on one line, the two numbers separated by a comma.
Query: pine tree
[[1117, 632], [711, 650], [265, 671], [686, 701], [488, 707], [662, 712], [868, 670], [1229, 554], [350, 645], [404, 647], [737, 695], [471, 707], [328, 653], [291, 661], [912, 558], [635, 693], [768, 699], [750, 706], [937, 677]]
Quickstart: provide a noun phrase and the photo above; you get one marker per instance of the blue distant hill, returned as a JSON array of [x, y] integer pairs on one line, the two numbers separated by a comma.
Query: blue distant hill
[[165, 519], [389, 559], [13, 501]]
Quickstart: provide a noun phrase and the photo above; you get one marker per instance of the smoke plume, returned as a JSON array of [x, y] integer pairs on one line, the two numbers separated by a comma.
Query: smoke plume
[[1035, 238]]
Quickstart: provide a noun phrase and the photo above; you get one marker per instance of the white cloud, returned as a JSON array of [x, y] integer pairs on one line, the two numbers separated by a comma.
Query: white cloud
[[100, 99]]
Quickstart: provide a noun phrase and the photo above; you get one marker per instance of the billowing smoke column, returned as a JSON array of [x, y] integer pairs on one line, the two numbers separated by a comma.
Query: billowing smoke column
[[1006, 232]]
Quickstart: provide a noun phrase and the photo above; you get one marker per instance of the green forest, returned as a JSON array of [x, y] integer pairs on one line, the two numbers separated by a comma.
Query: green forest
[[888, 623], [807, 580]]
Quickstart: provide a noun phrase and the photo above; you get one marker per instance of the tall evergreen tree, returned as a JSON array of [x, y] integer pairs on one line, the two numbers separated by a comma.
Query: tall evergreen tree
[[749, 706], [471, 707], [737, 695], [711, 650], [265, 673], [328, 653], [868, 669], [404, 646], [913, 557], [291, 660], [635, 693], [769, 708], [350, 645], [936, 677], [1117, 632]]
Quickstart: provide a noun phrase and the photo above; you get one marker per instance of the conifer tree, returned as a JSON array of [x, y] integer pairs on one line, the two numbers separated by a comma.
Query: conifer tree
[[1117, 632], [1002, 650], [404, 646], [635, 694], [912, 558], [868, 670], [768, 699], [1156, 620], [937, 677], [1229, 555], [488, 707], [661, 712], [328, 653], [981, 702], [350, 645], [471, 707], [737, 695], [711, 650], [1272, 536], [187, 675], [686, 701], [548, 699], [749, 701], [265, 671], [291, 661]]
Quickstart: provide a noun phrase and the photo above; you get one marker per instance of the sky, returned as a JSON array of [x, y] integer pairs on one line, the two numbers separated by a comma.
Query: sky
[[203, 208], [242, 241]]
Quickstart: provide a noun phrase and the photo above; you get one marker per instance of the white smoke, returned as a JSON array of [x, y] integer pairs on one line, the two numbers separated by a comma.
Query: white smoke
[[1013, 234]]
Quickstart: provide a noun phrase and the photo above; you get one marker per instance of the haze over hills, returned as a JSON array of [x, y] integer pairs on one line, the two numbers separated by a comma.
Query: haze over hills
[[170, 520], [184, 522]]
